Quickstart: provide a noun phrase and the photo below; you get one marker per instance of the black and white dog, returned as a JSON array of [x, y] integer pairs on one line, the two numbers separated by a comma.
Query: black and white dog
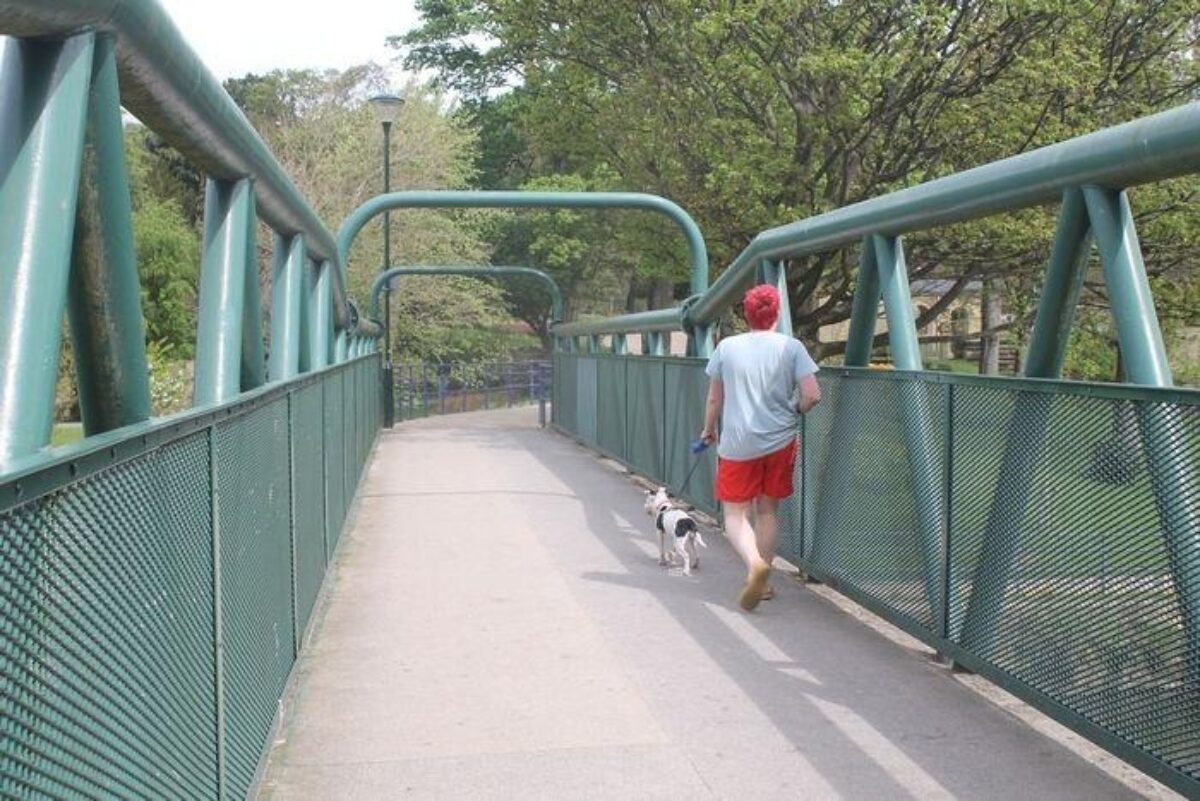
[[669, 519]]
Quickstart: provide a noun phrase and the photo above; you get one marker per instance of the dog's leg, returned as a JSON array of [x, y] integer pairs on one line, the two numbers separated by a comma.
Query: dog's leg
[[663, 558]]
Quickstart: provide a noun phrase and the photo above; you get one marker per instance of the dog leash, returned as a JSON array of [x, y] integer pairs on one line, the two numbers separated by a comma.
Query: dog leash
[[698, 447]]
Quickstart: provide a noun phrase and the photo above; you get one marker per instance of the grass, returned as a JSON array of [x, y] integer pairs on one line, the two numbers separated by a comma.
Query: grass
[[66, 433], [962, 366], [1076, 521]]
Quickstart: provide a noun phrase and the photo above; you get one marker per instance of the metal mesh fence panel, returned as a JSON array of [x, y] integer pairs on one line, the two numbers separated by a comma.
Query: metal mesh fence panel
[[686, 387], [335, 457], [106, 642], [253, 519], [365, 390], [110, 682], [877, 497], [610, 406], [646, 415], [1063, 576], [585, 399], [308, 529], [1047, 535], [350, 434], [798, 513], [566, 407]]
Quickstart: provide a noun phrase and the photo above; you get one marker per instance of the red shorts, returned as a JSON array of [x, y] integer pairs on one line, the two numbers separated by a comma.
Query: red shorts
[[741, 481]]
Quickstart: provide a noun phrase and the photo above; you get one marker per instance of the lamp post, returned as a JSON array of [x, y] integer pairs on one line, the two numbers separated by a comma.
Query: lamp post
[[387, 107]]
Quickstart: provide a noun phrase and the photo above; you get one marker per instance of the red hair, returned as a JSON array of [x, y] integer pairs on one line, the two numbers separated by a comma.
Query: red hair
[[761, 307]]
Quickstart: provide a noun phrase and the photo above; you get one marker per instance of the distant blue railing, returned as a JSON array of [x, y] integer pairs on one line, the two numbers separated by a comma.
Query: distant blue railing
[[423, 389]]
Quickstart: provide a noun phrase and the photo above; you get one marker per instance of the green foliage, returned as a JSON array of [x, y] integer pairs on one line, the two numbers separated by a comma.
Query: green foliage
[[66, 433], [322, 129], [453, 319], [168, 265], [754, 114], [159, 173], [171, 379]]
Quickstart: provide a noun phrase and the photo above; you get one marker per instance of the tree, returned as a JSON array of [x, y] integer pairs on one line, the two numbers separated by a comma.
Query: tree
[[756, 113], [322, 129], [168, 252]]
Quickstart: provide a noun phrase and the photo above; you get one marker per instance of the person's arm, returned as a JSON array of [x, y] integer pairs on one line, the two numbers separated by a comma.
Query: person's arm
[[810, 394], [712, 409]]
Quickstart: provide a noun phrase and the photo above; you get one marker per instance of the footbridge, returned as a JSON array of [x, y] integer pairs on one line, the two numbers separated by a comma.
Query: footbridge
[[988, 587]]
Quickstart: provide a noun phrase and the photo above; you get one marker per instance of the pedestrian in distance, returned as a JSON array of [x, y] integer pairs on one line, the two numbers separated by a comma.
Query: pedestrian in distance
[[758, 382]]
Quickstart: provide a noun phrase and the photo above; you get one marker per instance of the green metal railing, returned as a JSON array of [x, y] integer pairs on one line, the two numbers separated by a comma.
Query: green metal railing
[[66, 231], [157, 577], [156, 583], [1090, 623], [631, 408]]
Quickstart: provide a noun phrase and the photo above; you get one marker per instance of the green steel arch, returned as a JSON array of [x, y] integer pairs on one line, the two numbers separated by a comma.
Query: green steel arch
[[385, 279], [515, 200]]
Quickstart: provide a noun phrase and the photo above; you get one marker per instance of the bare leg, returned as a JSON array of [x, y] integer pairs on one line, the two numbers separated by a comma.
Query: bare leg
[[741, 533], [766, 530], [745, 542], [766, 526]]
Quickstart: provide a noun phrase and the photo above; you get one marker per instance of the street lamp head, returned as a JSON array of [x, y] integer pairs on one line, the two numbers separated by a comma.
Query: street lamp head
[[387, 107]]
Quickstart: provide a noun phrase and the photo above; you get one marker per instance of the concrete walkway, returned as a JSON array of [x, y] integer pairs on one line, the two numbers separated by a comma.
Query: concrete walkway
[[497, 626]]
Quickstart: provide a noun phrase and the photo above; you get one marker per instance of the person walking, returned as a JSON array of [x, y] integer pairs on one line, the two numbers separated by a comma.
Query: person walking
[[758, 381]]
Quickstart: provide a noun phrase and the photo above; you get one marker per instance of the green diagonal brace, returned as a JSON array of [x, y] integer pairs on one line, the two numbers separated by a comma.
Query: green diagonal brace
[[104, 296], [1027, 426], [44, 94], [228, 211], [1172, 473], [529, 200]]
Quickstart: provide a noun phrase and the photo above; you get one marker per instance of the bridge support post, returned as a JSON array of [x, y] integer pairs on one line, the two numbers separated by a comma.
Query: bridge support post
[[1173, 476], [320, 308], [918, 417], [43, 89], [883, 272], [104, 294], [1061, 289], [286, 288], [657, 344], [228, 221], [1027, 428], [254, 363], [830, 506], [700, 340], [865, 311]]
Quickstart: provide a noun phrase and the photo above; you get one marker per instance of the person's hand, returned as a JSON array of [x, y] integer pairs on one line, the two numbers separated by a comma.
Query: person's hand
[[708, 436]]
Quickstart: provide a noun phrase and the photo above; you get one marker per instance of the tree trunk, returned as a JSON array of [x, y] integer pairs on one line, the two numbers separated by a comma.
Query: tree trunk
[[662, 295], [989, 356], [631, 297]]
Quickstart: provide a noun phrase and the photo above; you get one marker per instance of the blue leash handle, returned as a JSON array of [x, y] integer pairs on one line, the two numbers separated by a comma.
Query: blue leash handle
[[698, 447]]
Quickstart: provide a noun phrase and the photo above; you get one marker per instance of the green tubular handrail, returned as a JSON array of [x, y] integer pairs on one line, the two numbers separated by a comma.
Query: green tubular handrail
[[66, 232], [697, 249], [166, 85], [387, 277], [1149, 149]]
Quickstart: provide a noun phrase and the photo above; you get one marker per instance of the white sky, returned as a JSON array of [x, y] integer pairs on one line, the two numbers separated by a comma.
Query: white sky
[[234, 37]]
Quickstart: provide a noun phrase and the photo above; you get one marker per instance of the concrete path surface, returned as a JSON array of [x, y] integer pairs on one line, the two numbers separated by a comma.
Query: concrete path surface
[[496, 626]]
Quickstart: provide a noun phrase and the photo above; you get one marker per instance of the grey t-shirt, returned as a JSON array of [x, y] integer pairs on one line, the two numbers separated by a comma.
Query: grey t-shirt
[[760, 371]]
